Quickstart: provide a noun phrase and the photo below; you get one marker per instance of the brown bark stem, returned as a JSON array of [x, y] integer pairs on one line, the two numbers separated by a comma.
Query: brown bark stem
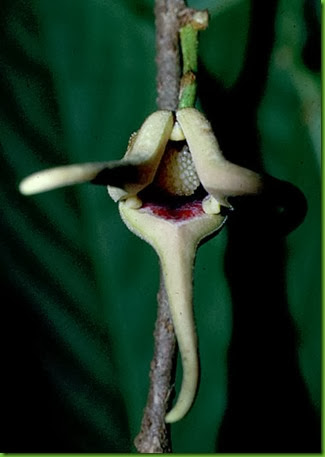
[[168, 13], [154, 434]]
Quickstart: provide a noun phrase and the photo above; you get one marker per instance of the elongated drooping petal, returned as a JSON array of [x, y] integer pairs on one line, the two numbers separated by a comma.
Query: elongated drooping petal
[[218, 176], [176, 242], [124, 177], [66, 175], [145, 152]]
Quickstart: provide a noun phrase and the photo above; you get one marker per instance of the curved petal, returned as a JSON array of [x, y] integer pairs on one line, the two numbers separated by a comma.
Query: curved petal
[[124, 177], [145, 152], [218, 176], [175, 242], [66, 175]]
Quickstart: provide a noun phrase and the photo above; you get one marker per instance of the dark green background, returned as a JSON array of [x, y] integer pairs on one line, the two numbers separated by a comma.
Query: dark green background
[[79, 290]]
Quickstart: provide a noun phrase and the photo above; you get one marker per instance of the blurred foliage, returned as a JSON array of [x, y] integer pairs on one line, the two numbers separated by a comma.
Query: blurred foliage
[[79, 290]]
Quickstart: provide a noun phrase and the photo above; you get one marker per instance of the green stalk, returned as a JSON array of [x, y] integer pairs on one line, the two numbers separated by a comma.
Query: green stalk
[[189, 49]]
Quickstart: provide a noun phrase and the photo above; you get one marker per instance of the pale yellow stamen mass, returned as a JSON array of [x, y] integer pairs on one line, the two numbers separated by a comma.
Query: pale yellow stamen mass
[[176, 174]]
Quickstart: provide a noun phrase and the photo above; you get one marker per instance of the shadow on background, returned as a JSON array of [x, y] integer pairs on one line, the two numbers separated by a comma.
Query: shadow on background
[[268, 407], [39, 417]]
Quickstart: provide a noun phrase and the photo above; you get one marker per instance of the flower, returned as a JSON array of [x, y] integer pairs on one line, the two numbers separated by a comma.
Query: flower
[[170, 186]]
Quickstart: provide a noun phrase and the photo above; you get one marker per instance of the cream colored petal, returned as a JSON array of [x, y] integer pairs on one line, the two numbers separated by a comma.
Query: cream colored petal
[[218, 176], [66, 175], [145, 152], [176, 243], [177, 133], [129, 175], [210, 205]]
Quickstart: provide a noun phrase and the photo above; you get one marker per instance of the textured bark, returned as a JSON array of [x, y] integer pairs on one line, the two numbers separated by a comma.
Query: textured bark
[[154, 435], [168, 14]]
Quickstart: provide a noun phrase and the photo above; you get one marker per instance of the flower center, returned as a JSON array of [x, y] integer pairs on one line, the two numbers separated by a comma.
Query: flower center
[[181, 212], [176, 174], [176, 192]]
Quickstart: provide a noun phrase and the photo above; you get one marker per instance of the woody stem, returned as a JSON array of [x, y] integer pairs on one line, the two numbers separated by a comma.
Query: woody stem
[[167, 13], [154, 436], [176, 88]]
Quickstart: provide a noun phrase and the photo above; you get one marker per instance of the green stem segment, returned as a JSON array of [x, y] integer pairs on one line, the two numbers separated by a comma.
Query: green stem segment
[[197, 20], [189, 48]]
